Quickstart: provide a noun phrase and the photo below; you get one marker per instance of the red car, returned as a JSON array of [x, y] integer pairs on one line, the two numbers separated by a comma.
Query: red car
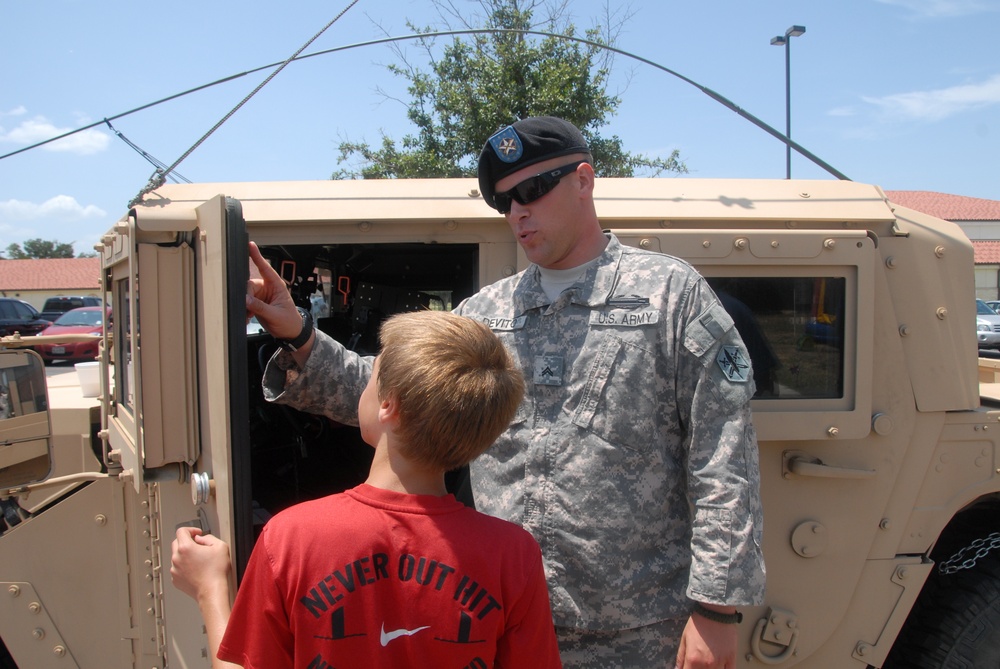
[[84, 320]]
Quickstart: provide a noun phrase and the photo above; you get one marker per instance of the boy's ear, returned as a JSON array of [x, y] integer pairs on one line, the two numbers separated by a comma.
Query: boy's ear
[[388, 410]]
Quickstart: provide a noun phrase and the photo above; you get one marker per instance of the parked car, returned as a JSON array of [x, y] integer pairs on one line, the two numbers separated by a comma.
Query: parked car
[[987, 326], [994, 305], [55, 307], [19, 316], [83, 320]]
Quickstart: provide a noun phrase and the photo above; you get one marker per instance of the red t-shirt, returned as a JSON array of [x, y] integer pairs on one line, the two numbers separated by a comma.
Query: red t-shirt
[[373, 578]]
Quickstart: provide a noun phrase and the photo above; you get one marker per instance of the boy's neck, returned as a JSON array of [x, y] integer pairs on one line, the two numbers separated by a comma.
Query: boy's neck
[[391, 471]]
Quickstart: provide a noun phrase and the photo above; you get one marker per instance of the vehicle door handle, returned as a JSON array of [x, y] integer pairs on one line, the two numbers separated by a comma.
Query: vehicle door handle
[[802, 464]]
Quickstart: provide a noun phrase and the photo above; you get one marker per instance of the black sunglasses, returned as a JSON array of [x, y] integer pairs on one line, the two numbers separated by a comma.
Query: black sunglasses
[[534, 187]]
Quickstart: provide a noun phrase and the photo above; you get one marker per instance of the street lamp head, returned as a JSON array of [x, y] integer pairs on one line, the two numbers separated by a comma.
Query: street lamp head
[[795, 31], [778, 41]]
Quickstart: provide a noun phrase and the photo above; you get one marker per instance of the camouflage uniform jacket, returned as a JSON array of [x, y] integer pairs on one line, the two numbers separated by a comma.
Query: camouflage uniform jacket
[[633, 458]]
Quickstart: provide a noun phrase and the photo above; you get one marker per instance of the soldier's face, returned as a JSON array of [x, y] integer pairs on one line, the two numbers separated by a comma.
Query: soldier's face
[[548, 229]]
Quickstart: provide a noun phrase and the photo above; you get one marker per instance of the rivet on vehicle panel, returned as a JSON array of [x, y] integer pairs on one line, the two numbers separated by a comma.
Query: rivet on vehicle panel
[[38, 633], [365, 226], [705, 244], [508, 270], [901, 573], [474, 193], [862, 649], [59, 651], [833, 432], [885, 524], [775, 244], [939, 251], [100, 519], [890, 262], [740, 243], [904, 330], [829, 244], [942, 313], [805, 195], [645, 243], [35, 607], [150, 612], [14, 591], [450, 225]]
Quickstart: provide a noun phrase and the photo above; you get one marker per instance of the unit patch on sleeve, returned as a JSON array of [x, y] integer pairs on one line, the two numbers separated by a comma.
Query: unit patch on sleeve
[[734, 364]]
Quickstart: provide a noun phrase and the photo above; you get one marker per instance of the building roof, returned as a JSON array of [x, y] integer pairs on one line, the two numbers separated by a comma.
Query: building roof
[[947, 206], [77, 274], [987, 252]]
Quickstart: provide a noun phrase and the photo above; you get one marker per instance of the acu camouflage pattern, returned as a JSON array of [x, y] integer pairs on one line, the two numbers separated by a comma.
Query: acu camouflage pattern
[[638, 471]]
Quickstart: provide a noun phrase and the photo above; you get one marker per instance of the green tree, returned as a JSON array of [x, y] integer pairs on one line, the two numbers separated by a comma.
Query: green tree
[[485, 81], [39, 248]]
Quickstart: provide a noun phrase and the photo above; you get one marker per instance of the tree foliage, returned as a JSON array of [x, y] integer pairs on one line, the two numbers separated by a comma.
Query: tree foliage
[[484, 81], [39, 248]]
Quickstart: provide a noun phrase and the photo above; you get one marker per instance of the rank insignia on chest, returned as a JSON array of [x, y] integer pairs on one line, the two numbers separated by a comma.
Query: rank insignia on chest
[[734, 364], [548, 370]]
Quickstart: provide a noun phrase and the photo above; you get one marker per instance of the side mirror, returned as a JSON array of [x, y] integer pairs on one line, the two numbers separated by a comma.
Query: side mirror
[[25, 428]]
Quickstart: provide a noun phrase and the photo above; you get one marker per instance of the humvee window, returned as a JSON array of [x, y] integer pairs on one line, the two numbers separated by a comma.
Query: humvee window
[[793, 328]]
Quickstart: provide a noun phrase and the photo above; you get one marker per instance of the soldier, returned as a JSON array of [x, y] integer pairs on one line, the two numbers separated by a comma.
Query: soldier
[[633, 457]]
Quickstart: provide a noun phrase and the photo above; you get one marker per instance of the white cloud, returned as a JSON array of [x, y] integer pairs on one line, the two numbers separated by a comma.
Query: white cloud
[[61, 208], [842, 111], [944, 8], [16, 111], [938, 104], [39, 128]]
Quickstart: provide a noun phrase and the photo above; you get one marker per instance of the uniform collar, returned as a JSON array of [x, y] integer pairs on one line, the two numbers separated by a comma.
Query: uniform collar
[[592, 290]]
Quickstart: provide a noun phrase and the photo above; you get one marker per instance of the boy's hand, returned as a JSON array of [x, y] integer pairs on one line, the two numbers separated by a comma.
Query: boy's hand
[[199, 563]]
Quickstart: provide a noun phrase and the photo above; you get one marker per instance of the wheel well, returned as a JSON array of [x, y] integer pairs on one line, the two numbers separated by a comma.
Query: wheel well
[[975, 521]]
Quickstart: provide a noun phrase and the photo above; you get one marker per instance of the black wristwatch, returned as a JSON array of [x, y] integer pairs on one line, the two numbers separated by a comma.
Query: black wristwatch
[[715, 616], [300, 341]]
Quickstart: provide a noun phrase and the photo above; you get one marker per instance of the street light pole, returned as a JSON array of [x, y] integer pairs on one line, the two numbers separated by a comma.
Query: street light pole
[[786, 41]]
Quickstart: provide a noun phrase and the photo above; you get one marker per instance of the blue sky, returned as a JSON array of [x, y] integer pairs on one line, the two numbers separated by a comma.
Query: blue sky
[[904, 94]]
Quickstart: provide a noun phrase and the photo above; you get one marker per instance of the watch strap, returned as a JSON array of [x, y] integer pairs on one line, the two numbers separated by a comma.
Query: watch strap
[[715, 616], [303, 337]]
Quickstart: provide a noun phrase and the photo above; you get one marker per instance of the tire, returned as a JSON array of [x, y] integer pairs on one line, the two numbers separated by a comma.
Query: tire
[[955, 623]]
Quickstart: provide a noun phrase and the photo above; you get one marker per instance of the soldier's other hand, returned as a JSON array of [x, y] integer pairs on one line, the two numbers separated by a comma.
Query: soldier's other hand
[[706, 644], [269, 300]]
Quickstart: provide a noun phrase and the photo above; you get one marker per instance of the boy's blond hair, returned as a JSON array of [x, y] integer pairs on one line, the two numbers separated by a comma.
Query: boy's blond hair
[[456, 385]]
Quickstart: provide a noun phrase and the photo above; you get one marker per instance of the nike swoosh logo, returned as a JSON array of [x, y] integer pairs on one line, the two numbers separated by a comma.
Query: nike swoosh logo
[[386, 637]]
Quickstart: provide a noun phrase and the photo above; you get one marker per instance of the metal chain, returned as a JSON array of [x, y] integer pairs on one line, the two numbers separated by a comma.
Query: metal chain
[[959, 561]]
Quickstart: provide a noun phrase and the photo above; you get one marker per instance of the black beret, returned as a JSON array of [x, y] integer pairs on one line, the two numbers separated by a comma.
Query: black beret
[[527, 142]]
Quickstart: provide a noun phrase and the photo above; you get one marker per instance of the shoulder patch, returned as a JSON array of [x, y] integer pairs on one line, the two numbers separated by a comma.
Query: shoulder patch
[[734, 364]]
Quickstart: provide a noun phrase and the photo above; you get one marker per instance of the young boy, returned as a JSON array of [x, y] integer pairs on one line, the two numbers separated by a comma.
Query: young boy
[[395, 572]]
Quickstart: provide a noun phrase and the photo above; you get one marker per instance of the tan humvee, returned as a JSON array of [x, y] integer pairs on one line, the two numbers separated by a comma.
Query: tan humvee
[[878, 454]]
